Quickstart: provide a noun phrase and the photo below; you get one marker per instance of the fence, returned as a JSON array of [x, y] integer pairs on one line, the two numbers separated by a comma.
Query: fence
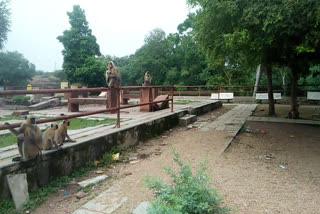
[[241, 90], [117, 108]]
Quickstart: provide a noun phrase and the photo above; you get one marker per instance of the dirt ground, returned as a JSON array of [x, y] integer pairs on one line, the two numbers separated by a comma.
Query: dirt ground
[[248, 174], [306, 111]]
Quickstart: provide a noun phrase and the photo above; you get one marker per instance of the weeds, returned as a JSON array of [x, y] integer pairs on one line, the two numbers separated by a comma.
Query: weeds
[[187, 193]]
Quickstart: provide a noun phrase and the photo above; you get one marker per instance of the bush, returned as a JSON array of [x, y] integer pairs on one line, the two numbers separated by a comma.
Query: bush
[[20, 100], [187, 193]]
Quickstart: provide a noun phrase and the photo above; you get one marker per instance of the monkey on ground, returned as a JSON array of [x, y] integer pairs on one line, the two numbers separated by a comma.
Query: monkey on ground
[[48, 138], [29, 139], [62, 132]]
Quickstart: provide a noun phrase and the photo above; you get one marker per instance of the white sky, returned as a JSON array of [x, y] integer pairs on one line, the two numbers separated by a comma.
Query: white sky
[[119, 25]]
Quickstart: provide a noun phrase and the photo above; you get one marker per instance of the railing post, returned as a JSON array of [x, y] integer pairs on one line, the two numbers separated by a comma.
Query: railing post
[[219, 89], [118, 107], [171, 99]]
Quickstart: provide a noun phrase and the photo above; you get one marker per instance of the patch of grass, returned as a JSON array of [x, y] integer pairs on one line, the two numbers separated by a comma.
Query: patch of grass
[[184, 102], [80, 123], [7, 140], [12, 117]]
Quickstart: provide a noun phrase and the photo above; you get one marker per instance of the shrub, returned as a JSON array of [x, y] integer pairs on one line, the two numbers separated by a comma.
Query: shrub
[[20, 100], [187, 193]]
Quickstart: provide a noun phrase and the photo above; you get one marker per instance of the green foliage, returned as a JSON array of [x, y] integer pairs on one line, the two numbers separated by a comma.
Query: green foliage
[[20, 100], [7, 140], [79, 44], [15, 70], [80, 123], [91, 73], [4, 21], [188, 192], [7, 206]]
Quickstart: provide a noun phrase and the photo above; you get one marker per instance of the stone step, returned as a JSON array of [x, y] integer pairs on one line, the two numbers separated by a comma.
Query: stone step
[[186, 120]]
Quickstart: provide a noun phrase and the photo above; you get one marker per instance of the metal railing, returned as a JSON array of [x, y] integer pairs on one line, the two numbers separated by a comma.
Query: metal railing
[[117, 108]]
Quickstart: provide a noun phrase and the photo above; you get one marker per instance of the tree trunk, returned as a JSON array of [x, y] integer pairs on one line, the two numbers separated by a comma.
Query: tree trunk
[[270, 90], [258, 76], [294, 112]]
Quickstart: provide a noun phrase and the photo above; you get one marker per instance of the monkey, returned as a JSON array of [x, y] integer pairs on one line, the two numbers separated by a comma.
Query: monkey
[[147, 79], [48, 138], [62, 132], [112, 76], [29, 139]]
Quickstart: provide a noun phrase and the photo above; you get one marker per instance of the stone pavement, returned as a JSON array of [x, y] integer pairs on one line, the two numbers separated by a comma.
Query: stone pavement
[[232, 121]]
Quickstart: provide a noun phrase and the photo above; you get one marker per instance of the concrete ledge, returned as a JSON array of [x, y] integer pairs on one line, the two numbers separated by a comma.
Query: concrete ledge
[[186, 120], [57, 163]]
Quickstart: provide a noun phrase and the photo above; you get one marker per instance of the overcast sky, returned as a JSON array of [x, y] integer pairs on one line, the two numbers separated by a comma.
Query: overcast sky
[[119, 25]]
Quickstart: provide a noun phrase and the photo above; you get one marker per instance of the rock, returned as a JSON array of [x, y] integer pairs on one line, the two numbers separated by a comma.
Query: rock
[[158, 153], [127, 173], [19, 189], [133, 162], [144, 155], [80, 195], [133, 158], [142, 208], [92, 180]]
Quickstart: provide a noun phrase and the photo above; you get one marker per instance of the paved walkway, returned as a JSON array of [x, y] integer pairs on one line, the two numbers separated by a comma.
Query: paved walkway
[[232, 121]]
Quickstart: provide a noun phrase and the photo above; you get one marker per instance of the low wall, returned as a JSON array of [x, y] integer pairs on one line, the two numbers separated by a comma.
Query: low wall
[[62, 162]]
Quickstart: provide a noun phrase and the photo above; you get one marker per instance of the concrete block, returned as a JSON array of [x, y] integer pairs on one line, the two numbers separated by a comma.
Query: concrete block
[[186, 120], [19, 189], [92, 180], [142, 208]]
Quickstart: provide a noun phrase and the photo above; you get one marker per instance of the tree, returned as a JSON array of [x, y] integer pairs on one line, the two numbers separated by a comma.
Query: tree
[[79, 44], [4, 21], [15, 70], [270, 32]]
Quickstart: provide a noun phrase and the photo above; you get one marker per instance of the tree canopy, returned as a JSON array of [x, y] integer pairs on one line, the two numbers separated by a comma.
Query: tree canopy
[[79, 45], [15, 70], [4, 21], [268, 32]]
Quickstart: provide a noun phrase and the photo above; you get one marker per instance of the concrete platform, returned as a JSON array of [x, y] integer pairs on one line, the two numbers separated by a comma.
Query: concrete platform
[[93, 143]]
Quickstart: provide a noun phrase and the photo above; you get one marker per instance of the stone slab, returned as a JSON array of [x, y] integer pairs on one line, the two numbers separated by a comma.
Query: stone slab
[[142, 208], [93, 180], [106, 203], [186, 120], [18, 188]]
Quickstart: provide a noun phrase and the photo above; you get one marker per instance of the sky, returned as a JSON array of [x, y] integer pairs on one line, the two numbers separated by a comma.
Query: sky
[[120, 26]]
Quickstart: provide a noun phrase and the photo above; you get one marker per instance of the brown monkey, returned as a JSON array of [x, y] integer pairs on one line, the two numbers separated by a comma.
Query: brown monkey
[[29, 139], [147, 79], [62, 132], [112, 76], [48, 138]]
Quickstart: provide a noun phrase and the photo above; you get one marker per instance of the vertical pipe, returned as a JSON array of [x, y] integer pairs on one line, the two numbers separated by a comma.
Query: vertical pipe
[[118, 107], [171, 99]]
